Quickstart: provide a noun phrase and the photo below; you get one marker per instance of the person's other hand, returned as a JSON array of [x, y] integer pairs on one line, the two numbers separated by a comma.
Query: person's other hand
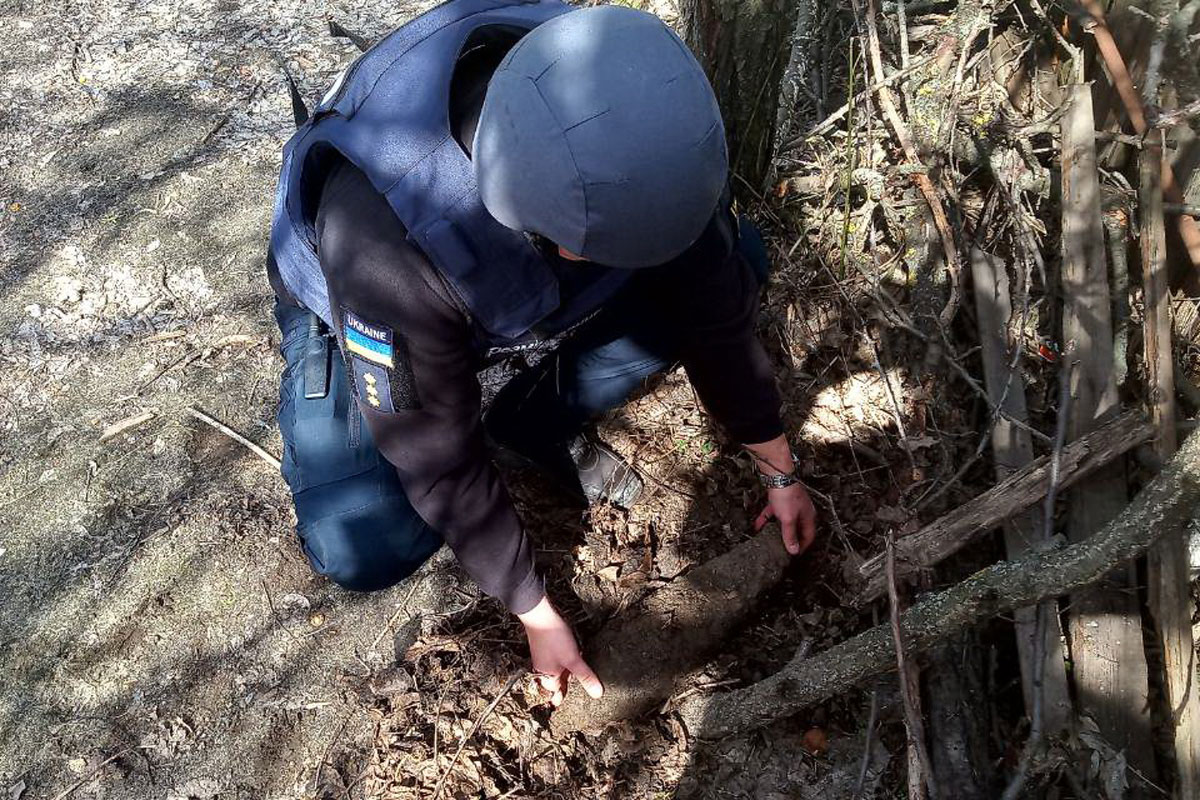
[[797, 516], [555, 654]]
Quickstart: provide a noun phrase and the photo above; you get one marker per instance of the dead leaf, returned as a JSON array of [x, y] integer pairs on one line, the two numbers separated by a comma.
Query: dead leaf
[[609, 573], [631, 580], [815, 741]]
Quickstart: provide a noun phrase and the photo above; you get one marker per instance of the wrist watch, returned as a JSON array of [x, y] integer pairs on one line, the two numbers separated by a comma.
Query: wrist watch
[[783, 480]]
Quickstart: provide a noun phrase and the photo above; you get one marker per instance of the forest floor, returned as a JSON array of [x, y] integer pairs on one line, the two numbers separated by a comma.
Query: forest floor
[[161, 635]]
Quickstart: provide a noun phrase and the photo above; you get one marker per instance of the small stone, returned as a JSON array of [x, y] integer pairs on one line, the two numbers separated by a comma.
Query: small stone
[[292, 601]]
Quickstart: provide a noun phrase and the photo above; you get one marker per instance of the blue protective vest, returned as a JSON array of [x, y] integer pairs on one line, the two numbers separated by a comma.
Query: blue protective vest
[[389, 115]]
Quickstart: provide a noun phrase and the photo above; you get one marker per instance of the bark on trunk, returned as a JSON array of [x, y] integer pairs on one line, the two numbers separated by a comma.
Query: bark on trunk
[[745, 46], [1169, 584], [959, 714]]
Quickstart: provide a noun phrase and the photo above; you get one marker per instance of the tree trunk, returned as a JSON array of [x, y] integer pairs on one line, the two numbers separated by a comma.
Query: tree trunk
[[745, 46]]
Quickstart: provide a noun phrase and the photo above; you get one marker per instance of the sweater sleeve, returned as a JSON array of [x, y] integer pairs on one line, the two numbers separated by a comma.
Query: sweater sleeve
[[408, 347], [711, 302]]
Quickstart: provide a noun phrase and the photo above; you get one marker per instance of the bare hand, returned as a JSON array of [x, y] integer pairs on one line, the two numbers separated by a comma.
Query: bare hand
[[555, 654], [797, 517]]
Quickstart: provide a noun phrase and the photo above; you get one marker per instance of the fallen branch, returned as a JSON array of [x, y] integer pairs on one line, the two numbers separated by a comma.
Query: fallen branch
[[127, 424], [957, 529], [1012, 450], [237, 437], [674, 630], [1103, 625], [1037, 704], [1165, 506]]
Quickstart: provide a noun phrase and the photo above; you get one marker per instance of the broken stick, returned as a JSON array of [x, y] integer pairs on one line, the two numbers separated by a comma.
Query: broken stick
[[962, 526], [237, 437], [127, 424], [1104, 624], [1012, 450], [1165, 506]]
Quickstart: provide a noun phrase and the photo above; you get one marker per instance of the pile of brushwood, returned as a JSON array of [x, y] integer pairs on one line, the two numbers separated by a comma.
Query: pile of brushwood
[[998, 192], [984, 315]]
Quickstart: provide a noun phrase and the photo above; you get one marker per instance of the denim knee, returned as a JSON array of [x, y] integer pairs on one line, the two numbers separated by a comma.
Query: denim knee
[[353, 518], [362, 533]]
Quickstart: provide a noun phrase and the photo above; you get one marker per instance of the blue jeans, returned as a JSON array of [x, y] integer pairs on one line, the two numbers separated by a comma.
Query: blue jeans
[[355, 524]]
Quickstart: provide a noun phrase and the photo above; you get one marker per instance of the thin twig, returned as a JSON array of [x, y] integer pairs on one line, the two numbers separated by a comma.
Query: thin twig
[[437, 791], [912, 714], [865, 766], [237, 437], [1181, 208], [827, 124], [316, 779], [1033, 743], [127, 424], [403, 606], [65, 793]]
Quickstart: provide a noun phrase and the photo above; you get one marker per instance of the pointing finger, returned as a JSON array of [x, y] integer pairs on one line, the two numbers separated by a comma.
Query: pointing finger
[[788, 529]]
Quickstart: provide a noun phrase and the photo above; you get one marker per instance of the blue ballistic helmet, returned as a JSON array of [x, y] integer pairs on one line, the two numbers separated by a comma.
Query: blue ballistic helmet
[[600, 132]]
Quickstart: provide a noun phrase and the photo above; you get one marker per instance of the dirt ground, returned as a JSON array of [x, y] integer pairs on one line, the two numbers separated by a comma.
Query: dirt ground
[[160, 634]]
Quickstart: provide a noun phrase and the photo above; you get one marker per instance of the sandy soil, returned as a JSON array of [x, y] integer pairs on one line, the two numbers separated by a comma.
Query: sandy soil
[[160, 634]]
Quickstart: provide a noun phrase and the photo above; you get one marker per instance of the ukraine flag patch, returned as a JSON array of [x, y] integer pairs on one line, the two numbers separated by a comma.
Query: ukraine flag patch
[[373, 343]]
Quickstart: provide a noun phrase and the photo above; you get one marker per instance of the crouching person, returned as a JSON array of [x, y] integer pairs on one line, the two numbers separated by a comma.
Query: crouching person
[[495, 178]]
